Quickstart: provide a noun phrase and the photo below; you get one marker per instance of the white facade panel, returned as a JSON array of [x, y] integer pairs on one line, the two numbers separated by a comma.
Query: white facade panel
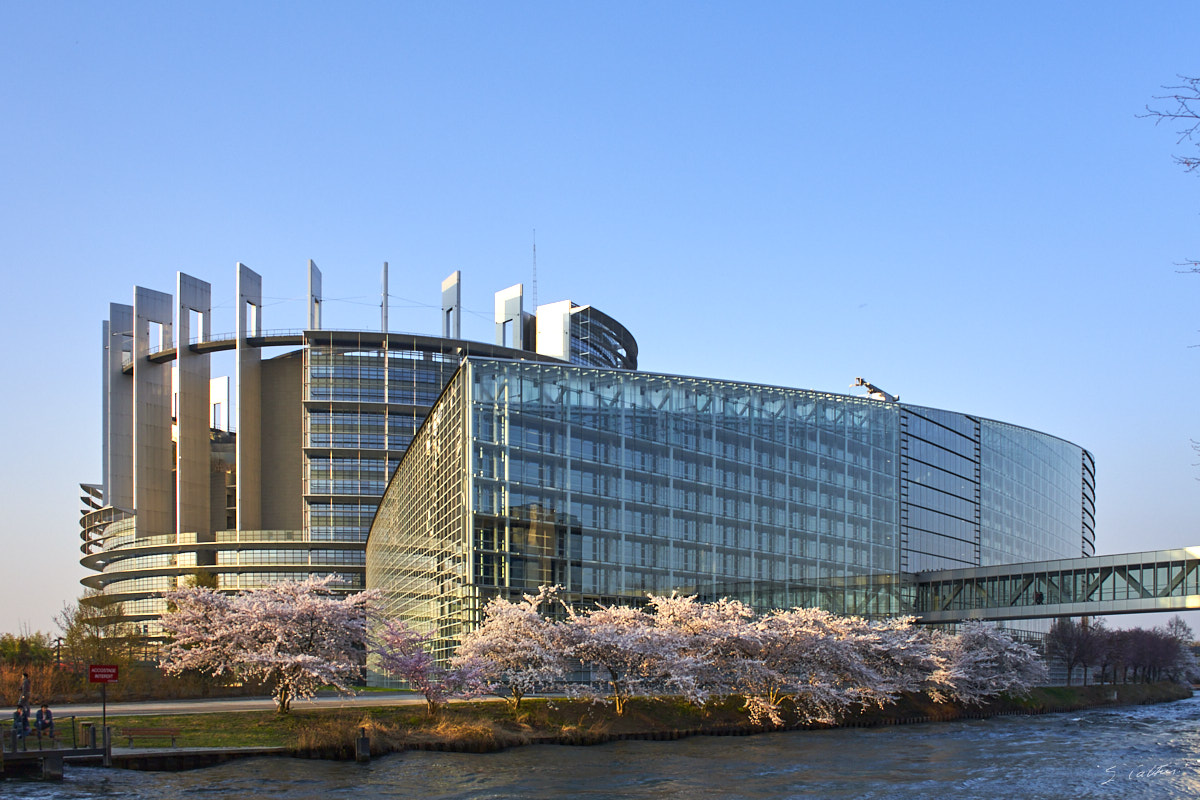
[[249, 399], [193, 444], [153, 492]]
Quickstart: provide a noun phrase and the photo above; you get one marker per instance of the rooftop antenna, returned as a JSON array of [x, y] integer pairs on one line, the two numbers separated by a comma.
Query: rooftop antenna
[[383, 304], [535, 269]]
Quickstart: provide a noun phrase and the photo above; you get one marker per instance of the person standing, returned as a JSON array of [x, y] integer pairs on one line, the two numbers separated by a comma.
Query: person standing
[[21, 716]]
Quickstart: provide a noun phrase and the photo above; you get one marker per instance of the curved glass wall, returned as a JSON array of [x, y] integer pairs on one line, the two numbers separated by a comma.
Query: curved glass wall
[[614, 484], [1034, 501], [939, 489], [976, 492]]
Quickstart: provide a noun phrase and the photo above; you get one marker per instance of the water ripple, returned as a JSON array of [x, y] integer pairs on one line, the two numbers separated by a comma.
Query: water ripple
[[1139, 753]]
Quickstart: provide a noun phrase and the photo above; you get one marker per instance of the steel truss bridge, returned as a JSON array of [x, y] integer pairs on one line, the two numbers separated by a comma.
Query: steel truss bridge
[[1130, 583]]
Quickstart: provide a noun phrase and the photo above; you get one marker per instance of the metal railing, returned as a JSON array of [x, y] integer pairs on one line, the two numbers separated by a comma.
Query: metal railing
[[272, 333]]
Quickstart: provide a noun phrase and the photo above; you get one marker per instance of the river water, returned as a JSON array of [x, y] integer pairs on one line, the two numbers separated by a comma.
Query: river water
[[1131, 752]]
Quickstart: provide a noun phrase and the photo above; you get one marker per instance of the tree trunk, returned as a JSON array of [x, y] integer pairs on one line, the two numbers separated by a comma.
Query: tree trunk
[[284, 699], [618, 697]]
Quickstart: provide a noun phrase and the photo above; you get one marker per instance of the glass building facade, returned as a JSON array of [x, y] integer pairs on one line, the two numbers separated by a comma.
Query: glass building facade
[[362, 404], [615, 483], [976, 492]]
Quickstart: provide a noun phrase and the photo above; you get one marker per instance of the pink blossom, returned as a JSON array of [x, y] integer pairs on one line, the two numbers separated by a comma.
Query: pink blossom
[[516, 651], [403, 652], [296, 636]]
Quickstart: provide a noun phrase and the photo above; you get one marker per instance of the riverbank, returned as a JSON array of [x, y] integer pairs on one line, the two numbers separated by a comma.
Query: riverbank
[[479, 727], [1131, 752]]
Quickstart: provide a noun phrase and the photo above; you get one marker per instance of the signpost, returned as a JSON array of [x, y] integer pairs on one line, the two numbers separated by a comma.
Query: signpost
[[103, 674]]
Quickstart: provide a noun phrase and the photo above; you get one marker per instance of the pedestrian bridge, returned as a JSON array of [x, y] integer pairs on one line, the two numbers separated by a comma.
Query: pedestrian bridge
[[1130, 583]]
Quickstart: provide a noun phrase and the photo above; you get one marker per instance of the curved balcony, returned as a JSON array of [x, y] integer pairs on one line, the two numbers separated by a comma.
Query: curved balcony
[[101, 527], [598, 340], [137, 571]]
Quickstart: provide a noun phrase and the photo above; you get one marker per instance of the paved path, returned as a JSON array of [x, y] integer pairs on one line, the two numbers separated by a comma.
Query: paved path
[[207, 706]]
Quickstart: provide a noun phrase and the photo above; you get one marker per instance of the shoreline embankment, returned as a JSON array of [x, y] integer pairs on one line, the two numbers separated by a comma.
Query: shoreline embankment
[[659, 720], [489, 726]]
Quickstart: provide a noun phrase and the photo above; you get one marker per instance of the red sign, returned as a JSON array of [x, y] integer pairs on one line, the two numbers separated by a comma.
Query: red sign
[[102, 673]]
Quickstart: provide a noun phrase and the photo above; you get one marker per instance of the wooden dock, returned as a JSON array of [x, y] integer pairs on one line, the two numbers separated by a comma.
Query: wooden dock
[[47, 762], [180, 758]]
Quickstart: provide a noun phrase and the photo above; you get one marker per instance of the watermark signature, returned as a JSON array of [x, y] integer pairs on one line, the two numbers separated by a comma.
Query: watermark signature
[[1115, 774]]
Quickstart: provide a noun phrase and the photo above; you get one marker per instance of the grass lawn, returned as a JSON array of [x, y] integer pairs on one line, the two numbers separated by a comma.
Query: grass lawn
[[221, 729], [489, 723]]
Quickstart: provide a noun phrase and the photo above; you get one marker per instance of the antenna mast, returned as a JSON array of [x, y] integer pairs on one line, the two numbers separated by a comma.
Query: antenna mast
[[535, 269], [383, 304]]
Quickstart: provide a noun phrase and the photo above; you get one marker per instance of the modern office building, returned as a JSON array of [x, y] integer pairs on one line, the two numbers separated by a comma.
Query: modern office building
[[616, 483], [543, 457], [275, 474]]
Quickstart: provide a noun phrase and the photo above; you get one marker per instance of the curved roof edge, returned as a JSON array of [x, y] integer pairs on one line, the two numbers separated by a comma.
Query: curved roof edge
[[778, 387]]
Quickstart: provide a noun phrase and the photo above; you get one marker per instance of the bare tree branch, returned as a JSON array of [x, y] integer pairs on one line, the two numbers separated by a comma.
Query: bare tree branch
[[1182, 107]]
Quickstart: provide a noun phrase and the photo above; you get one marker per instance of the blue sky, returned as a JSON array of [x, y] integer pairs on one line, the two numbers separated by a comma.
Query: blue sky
[[954, 201]]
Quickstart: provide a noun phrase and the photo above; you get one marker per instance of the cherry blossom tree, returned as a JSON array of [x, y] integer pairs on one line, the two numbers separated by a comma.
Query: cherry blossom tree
[[982, 661], [516, 651], [203, 629], [631, 656], [813, 660], [404, 653], [295, 636], [803, 663], [817, 662], [720, 637], [901, 654]]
